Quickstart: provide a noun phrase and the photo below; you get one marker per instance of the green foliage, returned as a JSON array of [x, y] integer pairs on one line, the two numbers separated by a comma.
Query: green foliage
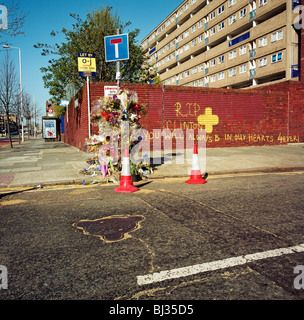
[[88, 36]]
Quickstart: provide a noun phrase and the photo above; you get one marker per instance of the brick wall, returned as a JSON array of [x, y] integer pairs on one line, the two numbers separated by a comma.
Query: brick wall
[[268, 115]]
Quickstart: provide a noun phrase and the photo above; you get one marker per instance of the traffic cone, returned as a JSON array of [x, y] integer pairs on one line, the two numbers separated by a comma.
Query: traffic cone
[[196, 176], [126, 183]]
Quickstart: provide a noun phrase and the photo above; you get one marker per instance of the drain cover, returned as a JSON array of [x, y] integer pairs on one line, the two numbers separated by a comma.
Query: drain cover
[[110, 229]]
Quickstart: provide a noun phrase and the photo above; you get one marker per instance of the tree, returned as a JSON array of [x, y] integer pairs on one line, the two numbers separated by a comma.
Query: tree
[[88, 36], [9, 90], [16, 19]]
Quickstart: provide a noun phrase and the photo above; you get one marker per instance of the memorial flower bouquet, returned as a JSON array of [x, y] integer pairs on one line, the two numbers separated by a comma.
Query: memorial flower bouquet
[[108, 113]]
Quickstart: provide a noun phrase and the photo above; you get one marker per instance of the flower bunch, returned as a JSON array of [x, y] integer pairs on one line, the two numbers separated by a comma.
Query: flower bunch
[[108, 113]]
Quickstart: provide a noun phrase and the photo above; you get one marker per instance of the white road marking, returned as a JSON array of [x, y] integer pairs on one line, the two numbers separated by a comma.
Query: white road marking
[[216, 265]]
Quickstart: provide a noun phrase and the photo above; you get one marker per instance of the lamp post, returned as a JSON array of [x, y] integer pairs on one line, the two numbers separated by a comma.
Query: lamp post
[[21, 100]]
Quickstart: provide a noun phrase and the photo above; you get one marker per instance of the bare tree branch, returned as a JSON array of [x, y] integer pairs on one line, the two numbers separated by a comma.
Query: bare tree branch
[[9, 89], [16, 19]]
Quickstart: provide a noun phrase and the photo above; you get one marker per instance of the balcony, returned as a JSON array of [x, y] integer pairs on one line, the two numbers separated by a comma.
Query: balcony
[[252, 73], [252, 15], [252, 54]]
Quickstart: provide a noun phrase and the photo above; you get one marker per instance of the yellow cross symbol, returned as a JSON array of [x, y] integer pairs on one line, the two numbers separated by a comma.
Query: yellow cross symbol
[[208, 119]]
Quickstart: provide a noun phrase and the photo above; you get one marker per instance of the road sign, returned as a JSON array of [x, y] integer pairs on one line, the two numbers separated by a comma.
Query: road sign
[[86, 64], [117, 47]]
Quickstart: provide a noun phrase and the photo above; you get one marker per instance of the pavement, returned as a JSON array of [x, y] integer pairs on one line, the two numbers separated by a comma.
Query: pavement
[[37, 162]]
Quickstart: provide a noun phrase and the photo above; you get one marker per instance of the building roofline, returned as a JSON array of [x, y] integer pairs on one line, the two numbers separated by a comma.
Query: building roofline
[[163, 20]]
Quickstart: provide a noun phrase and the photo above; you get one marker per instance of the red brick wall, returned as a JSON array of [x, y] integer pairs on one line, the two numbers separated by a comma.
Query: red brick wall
[[268, 115]]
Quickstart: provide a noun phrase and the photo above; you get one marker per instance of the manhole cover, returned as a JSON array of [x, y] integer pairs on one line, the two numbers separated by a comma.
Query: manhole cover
[[110, 229]]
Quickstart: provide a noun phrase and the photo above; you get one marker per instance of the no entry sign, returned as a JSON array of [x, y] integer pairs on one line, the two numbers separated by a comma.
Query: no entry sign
[[117, 47]]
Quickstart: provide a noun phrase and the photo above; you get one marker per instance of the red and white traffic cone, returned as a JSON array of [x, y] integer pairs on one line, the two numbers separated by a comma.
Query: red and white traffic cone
[[196, 176], [126, 183]]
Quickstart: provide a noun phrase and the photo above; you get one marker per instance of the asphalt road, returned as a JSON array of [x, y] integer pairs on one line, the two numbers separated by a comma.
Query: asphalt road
[[172, 230]]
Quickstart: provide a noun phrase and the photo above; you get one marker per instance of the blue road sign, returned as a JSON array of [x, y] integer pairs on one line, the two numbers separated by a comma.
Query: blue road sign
[[117, 47]]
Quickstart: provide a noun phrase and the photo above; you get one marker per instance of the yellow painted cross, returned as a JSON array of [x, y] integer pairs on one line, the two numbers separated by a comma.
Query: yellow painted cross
[[208, 120]]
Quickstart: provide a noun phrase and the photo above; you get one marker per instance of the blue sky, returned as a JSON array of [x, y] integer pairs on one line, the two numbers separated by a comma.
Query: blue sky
[[45, 16]]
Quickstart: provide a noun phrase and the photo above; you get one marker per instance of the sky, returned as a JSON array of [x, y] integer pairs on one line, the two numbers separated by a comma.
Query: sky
[[46, 16]]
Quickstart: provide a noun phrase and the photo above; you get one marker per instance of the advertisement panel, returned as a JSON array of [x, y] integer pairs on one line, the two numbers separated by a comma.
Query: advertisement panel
[[49, 128]]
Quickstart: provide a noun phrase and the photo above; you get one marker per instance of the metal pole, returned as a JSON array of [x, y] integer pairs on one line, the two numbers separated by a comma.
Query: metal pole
[[21, 98], [89, 104], [118, 75]]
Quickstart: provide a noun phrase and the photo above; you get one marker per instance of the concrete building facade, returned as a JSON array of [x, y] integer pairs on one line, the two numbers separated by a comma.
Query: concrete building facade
[[226, 43]]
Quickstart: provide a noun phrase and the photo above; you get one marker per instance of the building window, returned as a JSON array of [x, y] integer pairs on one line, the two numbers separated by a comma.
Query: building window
[[212, 78], [201, 68], [263, 62], [232, 72], [193, 42], [194, 28], [231, 3], [263, 42], [232, 54], [243, 68], [201, 23], [186, 46], [277, 57], [186, 6], [181, 76], [276, 36], [232, 19], [201, 82], [212, 31], [193, 1], [221, 75], [194, 70], [212, 15], [262, 2], [212, 63], [186, 33], [221, 9], [243, 13], [242, 50], [194, 84], [187, 74], [200, 38], [221, 59], [221, 26]]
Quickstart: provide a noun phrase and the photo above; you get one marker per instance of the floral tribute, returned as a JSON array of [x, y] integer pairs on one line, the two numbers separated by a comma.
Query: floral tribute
[[108, 113]]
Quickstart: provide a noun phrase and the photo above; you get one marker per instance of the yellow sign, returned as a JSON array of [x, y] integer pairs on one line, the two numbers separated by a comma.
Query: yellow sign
[[86, 64]]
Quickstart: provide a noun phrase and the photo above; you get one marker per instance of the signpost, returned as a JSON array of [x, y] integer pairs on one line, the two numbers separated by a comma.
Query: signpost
[[87, 68], [117, 49]]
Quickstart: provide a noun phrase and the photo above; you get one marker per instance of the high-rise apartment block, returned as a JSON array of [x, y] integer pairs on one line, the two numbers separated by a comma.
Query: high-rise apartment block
[[226, 43]]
